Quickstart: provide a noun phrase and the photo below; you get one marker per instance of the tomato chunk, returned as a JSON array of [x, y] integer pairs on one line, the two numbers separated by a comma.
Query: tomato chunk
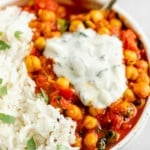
[[66, 93], [111, 120], [129, 39]]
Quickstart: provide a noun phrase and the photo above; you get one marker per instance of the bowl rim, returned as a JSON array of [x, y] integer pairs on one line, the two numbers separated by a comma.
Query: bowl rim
[[146, 112]]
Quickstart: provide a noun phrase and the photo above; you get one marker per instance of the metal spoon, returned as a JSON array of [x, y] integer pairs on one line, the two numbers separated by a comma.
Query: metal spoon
[[89, 4]]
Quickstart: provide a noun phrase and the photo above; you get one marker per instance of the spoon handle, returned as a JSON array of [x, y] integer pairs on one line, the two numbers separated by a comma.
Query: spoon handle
[[110, 4]]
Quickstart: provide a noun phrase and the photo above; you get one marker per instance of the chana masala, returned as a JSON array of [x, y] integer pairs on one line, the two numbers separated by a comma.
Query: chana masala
[[97, 128]]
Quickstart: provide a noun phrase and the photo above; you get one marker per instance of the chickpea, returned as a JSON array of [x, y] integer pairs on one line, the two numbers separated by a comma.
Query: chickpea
[[91, 140], [103, 23], [114, 30], [116, 23], [141, 89], [131, 73], [34, 23], [143, 65], [40, 43], [95, 111], [63, 82], [45, 27], [129, 95], [143, 77], [114, 105], [36, 35], [104, 30], [78, 142], [75, 25], [32, 63], [90, 122], [61, 11], [130, 57], [74, 112], [30, 2], [52, 34], [46, 15], [127, 109], [96, 15]]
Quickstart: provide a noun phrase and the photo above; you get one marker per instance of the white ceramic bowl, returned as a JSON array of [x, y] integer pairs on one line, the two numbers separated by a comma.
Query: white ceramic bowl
[[130, 22]]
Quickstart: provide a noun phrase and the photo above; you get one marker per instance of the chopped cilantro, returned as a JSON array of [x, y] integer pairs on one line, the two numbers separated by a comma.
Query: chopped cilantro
[[61, 147], [31, 144], [62, 24], [3, 45], [1, 33], [111, 134], [18, 34], [7, 118], [102, 144], [1, 80], [3, 90]]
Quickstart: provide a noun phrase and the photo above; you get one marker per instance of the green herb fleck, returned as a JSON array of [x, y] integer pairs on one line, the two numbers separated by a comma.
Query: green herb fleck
[[1, 80], [82, 34], [31, 144], [18, 34], [3, 45], [111, 134], [61, 147], [44, 95], [112, 137], [102, 144], [38, 95], [1, 33], [7, 118], [63, 24], [3, 90]]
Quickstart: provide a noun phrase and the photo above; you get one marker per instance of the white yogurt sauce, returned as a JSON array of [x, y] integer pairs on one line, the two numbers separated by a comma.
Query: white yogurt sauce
[[93, 63]]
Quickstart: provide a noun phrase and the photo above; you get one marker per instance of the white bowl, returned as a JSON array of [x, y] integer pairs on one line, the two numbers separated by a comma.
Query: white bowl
[[130, 22]]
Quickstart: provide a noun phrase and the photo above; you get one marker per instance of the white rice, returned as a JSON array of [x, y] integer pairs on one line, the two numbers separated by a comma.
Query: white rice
[[34, 118]]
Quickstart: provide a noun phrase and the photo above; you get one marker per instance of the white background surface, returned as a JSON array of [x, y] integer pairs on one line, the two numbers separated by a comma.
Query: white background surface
[[140, 11]]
